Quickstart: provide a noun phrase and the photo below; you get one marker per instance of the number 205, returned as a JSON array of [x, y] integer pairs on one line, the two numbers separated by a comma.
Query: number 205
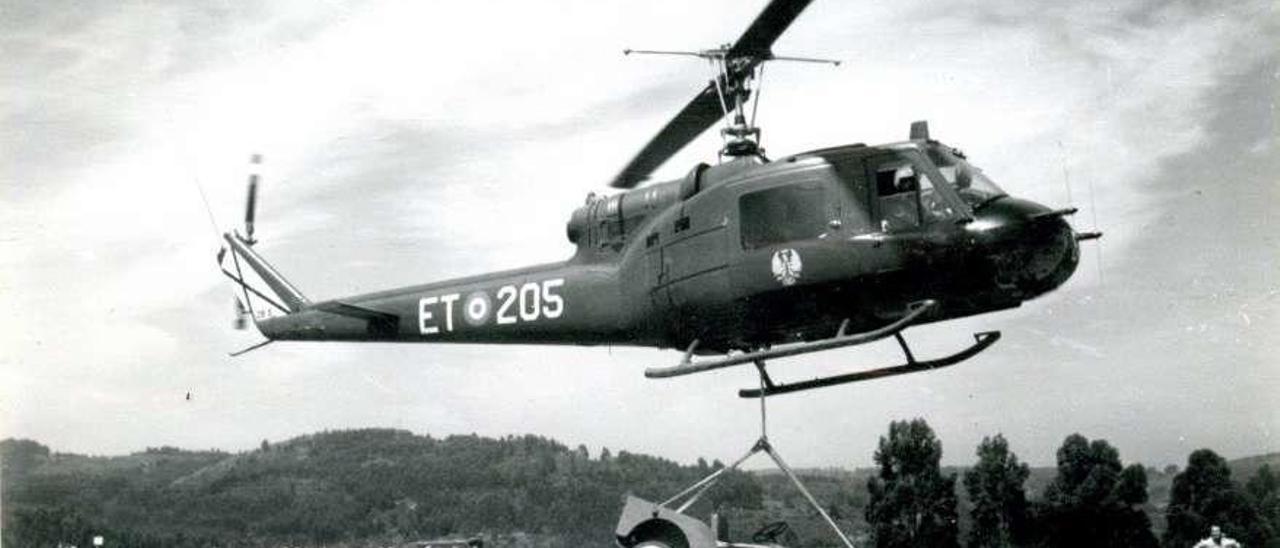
[[532, 301]]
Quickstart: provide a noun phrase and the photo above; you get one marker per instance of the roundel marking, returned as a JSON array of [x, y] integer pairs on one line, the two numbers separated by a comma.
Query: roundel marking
[[478, 308], [786, 266]]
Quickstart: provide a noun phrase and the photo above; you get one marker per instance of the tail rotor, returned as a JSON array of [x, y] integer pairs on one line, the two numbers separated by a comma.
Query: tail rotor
[[241, 312]]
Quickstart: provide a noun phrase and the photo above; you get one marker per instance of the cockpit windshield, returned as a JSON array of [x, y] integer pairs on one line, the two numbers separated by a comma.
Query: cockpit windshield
[[974, 187]]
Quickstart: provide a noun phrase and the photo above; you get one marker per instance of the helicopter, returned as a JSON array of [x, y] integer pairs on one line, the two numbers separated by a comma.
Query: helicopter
[[747, 260]]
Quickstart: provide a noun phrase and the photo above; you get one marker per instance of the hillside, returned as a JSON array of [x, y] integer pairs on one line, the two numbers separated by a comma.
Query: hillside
[[349, 487], [1246, 467], [382, 487]]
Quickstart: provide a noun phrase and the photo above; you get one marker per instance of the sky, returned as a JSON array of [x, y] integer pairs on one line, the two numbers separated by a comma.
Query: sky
[[408, 142]]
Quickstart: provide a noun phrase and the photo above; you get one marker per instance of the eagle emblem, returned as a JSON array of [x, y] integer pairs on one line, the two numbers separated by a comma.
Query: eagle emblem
[[786, 266]]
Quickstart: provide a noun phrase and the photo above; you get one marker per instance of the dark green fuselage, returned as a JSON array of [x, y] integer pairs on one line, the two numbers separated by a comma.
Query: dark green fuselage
[[739, 256]]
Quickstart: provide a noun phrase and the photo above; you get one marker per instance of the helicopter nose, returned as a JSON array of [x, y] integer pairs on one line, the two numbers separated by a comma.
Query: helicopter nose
[[1031, 247]]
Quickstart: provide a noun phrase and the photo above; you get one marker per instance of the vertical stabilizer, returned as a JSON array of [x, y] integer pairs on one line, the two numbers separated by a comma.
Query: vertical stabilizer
[[277, 291]]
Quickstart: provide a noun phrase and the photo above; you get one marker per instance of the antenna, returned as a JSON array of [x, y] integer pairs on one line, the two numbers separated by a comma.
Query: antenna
[[1093, 207]]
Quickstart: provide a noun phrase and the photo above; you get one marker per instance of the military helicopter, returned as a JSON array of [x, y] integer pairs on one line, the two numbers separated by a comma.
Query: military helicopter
[[747, 260]]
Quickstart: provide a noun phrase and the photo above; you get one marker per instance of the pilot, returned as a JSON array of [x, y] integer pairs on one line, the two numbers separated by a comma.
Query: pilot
[[1217, 539], [897, 206]]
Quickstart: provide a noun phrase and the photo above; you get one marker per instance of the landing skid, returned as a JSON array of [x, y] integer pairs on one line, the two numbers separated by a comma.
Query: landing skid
[[982, 341], [688, 366]]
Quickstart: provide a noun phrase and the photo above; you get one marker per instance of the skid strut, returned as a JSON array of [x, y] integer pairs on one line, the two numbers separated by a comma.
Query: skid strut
[[981, 342], [841, 338]]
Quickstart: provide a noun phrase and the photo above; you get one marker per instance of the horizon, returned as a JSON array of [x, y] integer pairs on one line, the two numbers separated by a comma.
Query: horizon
[[595, 452]]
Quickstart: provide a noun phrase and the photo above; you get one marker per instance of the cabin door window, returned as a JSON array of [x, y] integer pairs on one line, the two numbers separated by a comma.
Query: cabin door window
[[782, 214]]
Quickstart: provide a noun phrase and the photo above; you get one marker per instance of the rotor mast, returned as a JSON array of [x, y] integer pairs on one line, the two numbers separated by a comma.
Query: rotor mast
[[736, 71]]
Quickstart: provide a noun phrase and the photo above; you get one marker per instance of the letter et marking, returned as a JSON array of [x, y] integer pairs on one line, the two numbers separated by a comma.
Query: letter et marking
[[426, 316]]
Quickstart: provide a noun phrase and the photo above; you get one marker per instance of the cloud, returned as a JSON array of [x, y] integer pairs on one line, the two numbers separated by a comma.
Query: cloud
[[413, 142]]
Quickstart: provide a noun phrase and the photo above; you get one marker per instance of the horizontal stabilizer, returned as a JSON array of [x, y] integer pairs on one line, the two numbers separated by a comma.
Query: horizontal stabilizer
[[353, 311]]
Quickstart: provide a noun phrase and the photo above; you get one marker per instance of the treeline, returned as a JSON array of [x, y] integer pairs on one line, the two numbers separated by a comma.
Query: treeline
[[1094, 499], [383, 487]]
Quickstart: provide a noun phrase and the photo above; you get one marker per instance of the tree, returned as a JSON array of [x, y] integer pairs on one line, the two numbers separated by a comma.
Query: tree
[[1094, 500], [1204, 495], [1264, 490], [55, 526], [912, 503], [999, 501]]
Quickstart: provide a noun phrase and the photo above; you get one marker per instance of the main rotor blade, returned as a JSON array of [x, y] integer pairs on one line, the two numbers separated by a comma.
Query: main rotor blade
[[768, 26], [701, 113], [705, 109]]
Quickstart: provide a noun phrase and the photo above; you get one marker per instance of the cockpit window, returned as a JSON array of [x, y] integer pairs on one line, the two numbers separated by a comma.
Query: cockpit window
[[895, 180], [908, 195], [969, 181]]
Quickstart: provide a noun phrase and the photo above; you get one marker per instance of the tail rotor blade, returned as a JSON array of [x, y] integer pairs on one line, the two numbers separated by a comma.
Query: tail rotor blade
[[251, 201], [241, 315]]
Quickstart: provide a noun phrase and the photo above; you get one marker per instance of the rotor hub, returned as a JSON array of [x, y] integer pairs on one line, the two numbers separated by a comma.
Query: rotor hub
[[741, 139]]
